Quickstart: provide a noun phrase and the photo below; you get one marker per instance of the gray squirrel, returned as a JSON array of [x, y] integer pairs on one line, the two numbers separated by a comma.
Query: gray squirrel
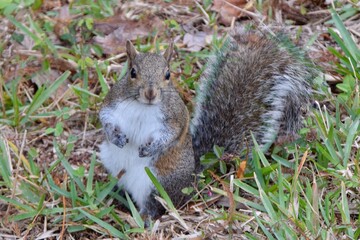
[[252, 84]]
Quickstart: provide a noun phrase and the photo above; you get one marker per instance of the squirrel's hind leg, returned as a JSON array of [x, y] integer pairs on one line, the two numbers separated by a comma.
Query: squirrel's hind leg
[[173, 185], [152, 209]]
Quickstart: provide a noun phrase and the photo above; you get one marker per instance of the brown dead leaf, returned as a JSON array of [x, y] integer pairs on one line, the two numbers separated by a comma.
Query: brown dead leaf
[[110, 24], [311, 135], [241, 170], [48, 77], [63, 65], [195, 42], [115, 41], [62, 21], [118, 29], [27, 44], [227, 12], [50, 5]]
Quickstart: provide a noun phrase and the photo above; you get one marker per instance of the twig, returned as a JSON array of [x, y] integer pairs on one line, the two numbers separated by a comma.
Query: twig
[[64, 218], [351, 18], [121, 55], [2, 83], [321, 20], [354, 32], [85, 128], [228, 189], [321, 11], [203, 12], [32, 223]]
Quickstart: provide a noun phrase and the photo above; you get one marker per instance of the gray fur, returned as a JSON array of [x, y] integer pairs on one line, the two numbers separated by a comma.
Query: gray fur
[[252, 84]]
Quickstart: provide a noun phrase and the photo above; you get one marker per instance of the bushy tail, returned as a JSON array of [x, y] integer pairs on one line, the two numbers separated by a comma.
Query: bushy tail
[[252, 84]]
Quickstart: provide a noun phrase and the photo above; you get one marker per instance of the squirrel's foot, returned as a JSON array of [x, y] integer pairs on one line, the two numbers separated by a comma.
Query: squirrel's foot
[[146, 150], [115, 136], [146, 218]]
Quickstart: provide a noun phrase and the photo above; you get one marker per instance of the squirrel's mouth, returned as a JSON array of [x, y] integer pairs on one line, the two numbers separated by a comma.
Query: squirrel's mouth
[[148, 102], [149, 96]]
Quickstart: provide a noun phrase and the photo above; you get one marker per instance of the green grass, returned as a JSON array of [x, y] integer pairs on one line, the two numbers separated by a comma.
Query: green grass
[[50, 175], [314, 200]]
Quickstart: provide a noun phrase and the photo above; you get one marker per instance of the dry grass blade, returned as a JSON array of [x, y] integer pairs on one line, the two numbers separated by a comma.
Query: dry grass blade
[[17, 171]]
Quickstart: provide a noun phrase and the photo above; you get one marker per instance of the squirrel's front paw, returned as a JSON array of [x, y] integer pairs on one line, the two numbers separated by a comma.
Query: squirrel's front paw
[[120, 140], [146, 150], [115, 136]]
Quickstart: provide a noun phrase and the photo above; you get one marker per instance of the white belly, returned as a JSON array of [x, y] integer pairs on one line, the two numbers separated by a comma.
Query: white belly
[[140, 123], [134, 180]]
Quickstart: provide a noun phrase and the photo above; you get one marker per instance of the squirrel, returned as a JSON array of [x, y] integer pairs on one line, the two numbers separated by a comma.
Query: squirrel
[[146, 124], [250, 85]]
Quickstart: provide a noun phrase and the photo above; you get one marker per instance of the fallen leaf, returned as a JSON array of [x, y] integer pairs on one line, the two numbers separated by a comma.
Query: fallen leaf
[[118, 30], [110, 24], [228, 9], [62, 21], [195, 42], [48, 77], [241, 170], [50, 5]]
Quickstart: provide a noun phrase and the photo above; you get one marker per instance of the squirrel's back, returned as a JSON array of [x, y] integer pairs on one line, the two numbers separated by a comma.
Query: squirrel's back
[[251, 84]]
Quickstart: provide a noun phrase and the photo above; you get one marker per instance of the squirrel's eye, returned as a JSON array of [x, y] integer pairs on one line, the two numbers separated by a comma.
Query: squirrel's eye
[[133, 73], [167, 75]]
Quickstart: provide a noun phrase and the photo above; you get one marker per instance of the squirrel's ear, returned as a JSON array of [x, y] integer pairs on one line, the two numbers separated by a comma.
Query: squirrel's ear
[[168, 53], [130, 51]]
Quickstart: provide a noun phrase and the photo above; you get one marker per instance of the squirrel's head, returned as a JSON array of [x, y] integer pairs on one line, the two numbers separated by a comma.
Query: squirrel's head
[[148, 73]]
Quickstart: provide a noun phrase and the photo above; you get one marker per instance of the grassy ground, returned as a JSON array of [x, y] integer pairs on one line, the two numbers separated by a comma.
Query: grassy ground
[[58, 60]]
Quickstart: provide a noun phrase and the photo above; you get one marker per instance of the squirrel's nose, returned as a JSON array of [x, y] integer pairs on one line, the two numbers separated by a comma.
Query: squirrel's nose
[[150, 94]]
